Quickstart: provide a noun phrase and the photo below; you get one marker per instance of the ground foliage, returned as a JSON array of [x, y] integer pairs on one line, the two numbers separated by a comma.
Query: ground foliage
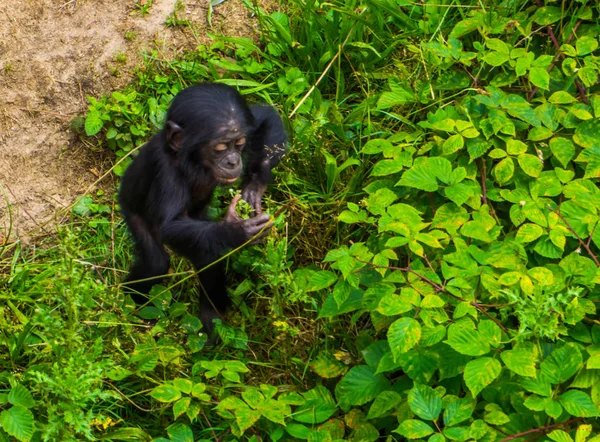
[[434, 275]]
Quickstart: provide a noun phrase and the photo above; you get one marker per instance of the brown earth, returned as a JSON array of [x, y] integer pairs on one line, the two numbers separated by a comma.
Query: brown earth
[[55, 53]]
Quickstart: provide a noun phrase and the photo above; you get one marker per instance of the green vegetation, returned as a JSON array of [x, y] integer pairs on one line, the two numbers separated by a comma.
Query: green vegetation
[[434, 274]]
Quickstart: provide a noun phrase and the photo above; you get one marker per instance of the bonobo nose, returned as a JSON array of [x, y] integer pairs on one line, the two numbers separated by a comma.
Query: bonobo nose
[[232, 163]]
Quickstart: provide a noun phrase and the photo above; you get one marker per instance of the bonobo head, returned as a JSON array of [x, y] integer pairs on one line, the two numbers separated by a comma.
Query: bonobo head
[[207, 126]]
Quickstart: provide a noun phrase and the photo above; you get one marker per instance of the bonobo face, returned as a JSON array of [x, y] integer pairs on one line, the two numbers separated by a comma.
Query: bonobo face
[[225, 157]]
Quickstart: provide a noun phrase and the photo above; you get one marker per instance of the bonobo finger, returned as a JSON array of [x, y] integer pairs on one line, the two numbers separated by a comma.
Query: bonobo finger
[[231, 214], [259, 220]]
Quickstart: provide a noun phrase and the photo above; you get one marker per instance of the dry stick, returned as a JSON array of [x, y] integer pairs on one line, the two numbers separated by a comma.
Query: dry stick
[[310, 91], [539, 430], [581, 241]]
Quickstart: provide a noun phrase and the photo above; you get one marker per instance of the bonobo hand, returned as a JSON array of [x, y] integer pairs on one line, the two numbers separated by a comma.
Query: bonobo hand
[[259, 225], [252, 194]]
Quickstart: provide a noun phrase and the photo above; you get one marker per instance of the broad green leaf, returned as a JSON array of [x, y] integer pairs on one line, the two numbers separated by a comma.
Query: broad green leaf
[[276, 411], [377, 145], [320, 280], [519, 108], [425, 402], [578, 404], [561, 97], [403, 335], [327, 366], [18, 422], [588, 75], [586, 45], [414, 429], [457, 411], [563, 149], [388, 167], [181, 406], [559, 436], [530, 164], [539, 134], [547, 15], [495, 58], [419, 364], [166, 393], [19, 395], [459, 193], [319, 406], [587, 134], [386, 402], [540, 78], [562, 364], [528, 233], [480, 373], [360, 385], [93, 123], [504, 170], [466, 340], [392, 304], [452, 144], [516, 147], [520, 360], [246, 417]]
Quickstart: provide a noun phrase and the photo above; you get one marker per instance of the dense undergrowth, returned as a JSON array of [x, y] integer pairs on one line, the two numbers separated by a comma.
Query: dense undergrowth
[[435, 273]]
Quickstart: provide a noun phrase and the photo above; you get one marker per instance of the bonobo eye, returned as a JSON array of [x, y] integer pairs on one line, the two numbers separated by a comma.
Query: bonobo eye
[[240, 141], [220, 147]]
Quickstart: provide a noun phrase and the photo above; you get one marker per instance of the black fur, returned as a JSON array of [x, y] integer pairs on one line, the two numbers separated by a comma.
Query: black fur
[[166, 190]]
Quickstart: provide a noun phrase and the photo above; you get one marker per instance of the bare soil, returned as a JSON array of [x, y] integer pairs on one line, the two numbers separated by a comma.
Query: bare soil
[[55, 53]]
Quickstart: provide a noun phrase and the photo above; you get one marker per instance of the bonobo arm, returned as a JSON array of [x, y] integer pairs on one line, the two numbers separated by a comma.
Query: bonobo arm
[[203, 242], [266, 147]]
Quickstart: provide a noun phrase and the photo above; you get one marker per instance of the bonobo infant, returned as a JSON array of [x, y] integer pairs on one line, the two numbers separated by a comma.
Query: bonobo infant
[[211, 137]]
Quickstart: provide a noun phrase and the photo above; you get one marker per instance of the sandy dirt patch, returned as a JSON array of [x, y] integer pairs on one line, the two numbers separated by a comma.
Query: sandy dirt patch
[[53, 54]]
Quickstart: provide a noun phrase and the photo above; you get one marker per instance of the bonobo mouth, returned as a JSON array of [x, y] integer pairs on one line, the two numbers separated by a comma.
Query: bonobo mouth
[[224, 180]]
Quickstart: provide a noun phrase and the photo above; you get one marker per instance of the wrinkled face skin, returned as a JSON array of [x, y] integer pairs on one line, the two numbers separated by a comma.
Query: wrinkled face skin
[[224, 156]]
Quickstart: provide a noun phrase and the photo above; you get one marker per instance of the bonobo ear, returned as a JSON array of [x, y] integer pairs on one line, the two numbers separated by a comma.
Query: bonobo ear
[[173, 135]]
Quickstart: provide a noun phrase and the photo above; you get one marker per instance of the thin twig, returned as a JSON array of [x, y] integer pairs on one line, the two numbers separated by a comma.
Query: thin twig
[[539, 430], [581, 241]]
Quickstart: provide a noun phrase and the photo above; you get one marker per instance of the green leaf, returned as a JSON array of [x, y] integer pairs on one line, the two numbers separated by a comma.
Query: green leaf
[[562, 149], [496, 58], [504, 170], [181, 406], [579, 404], [377, 145], [166, 393], [586, 45], [360, 385], [452, 144], [386, 402], [19, 395], [547, 15], [466, 340], [425, 402], [587, 134], [562, 364], [18, 422], [403, 335], [530, 164], [480, 373], [93, 123], [521, 361], [319, 406], [414, 429], [457, 411], [388, 167], [528, 233], [561, 97], [320, 280], [588, 75], [539, 77], [421, 175]]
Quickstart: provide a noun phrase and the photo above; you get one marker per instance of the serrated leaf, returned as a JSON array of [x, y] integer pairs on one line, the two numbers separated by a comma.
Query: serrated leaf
[[166, 393], [360, 385], [320, 280], [181, 406], [19, 395], [530, 164], [587, 133], [562, 364], [504, 170], [327, 366], [93, 123], [528, 233], [452, 144], [579, 404], [18, 422], [319, 406], [466, 340], [521, 361], [387, 401], [403, 335], [457, 411], [425, 402], [562, 149], [414, 429], [480, 373]]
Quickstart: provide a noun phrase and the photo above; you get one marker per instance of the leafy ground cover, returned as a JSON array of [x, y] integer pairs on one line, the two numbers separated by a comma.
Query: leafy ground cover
[[434, 275]]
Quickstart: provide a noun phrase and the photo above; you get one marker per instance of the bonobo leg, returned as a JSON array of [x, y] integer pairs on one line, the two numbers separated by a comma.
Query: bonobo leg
[[213, 295], [152, 261]]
